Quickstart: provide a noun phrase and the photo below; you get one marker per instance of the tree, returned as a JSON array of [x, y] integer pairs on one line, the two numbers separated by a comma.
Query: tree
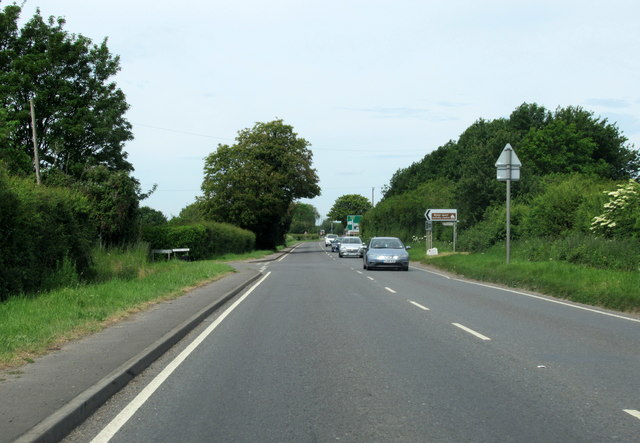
[[349, 204], [79, 110], [114, 198], [252, 183], [573, 140], [151, 217], [195, 212], [304, 218]]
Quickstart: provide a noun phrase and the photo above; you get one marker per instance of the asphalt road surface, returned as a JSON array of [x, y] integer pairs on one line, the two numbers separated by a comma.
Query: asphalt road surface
[[322, 350]]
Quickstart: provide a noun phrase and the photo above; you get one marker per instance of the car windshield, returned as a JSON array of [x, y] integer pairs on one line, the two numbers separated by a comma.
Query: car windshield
[[351, 240], [390, 243]]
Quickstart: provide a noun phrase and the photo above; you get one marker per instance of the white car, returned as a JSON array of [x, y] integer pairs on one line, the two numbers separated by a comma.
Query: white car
[[329, 238]]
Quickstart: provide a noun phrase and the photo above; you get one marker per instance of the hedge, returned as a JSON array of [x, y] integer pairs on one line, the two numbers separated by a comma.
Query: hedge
[[42, 231], [205, 239]]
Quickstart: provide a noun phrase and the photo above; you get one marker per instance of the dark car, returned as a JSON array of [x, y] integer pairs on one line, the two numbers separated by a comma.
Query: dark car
[[335, 245], [386, 252]]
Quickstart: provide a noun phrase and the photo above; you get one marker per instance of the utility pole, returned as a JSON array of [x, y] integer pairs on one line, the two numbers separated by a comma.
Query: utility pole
[[36, 156], [372, 202]]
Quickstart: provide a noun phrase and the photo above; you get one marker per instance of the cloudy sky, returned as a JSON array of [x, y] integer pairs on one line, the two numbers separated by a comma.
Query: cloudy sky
[[373, 85]]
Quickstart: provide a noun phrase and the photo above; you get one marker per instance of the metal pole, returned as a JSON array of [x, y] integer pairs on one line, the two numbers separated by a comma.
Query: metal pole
[[509, 165], [36, 157], [508, 221], [455, 234]]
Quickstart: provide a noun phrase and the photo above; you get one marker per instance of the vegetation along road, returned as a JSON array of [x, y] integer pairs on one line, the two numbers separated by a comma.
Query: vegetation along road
[[322, 350]]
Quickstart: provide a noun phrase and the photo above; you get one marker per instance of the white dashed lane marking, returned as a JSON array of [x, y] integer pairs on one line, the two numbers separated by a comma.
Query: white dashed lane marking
[[471, 331], [424, 308]]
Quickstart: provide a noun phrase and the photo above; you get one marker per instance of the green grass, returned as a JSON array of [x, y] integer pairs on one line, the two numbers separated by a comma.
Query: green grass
[[618, 290], [30, 325]]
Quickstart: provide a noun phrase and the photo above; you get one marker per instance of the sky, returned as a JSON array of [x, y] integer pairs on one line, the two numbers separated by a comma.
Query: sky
[[372, 85]]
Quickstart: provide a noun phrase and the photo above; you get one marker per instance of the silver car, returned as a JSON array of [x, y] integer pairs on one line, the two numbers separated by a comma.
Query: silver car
[[386, 252], [350, 247], [329, 238]]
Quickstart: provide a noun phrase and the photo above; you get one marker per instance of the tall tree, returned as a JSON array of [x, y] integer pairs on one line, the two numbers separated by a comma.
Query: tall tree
[[304, 218], [252, 183], [79, 109], [349, 204]]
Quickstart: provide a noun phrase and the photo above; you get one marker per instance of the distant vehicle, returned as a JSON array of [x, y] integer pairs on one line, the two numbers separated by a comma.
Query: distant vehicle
[[329, 238], [350, 247], [335, 246], [386, 252]]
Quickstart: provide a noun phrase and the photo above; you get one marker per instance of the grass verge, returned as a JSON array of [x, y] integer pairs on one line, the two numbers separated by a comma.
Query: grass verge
[[618, 290], [30, 326]]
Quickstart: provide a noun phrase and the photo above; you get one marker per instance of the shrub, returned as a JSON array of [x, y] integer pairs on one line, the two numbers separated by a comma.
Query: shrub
[[45, 233], [567, 204], [621, 216], [205, 239], [493, 228]]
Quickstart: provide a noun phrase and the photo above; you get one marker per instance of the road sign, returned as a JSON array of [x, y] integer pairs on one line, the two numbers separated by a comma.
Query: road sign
[[448, 215], [353, 224], [508, 165]]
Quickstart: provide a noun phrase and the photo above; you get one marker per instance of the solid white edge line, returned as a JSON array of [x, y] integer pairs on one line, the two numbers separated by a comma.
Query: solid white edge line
[[285, 255], [417, 268], [633, 413], [121, 419], [390, 290], [424, 308], [571, 305], [471, 331]]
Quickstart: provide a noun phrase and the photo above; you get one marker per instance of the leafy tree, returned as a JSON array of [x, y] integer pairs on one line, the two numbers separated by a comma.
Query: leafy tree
[[79, 109], [114, 198], [252, 183], [349, 204], [151, 217], [195, 212], [403, 215], [304, 218], [573, 140]]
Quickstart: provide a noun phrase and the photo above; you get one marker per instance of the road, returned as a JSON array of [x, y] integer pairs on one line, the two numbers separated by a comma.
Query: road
[[322, 350]]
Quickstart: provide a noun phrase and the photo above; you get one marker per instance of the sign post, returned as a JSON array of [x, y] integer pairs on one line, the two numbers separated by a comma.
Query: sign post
[[508, 169], [447, 217]]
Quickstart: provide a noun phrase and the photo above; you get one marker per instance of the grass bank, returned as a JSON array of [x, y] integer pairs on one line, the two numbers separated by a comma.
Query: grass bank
[[618, 290], [32, 325]]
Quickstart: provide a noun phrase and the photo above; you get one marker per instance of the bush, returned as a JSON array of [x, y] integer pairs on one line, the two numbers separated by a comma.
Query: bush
[[45, 234], [205, 240], [403, 215], [493, 228], [567, 204]]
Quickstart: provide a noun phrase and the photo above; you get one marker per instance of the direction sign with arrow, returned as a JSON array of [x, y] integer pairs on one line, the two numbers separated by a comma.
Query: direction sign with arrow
[[441, 215]]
